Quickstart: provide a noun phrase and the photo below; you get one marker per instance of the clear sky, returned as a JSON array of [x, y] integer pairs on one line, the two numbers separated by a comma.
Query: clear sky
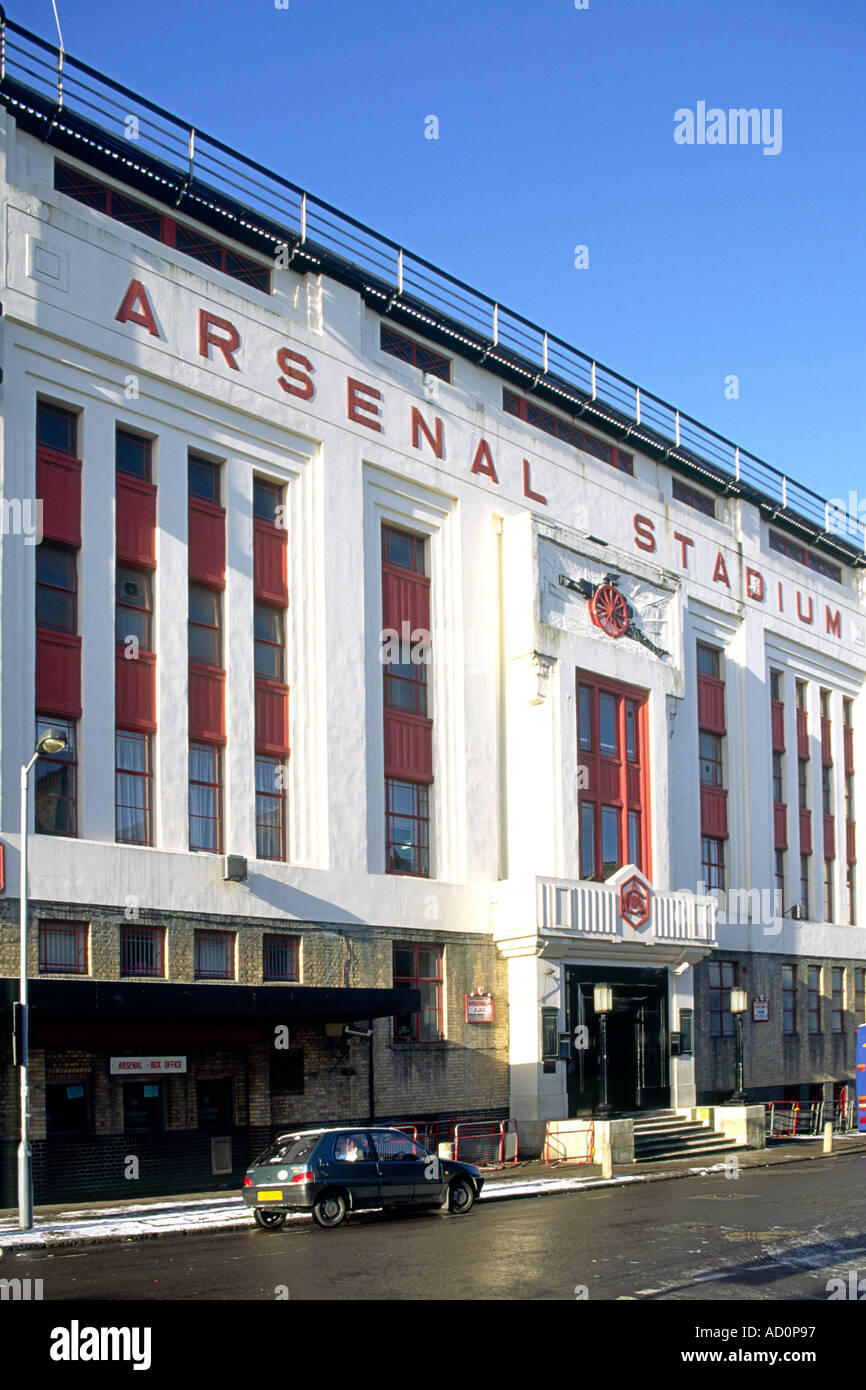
[[556, 129]]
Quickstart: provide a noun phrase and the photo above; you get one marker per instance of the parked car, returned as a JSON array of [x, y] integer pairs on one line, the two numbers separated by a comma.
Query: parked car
[[330, 1172]]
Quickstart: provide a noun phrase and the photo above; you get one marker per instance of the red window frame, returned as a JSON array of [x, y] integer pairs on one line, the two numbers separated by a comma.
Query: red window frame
[[227, 938], [270, 799], [50, 765], [65, 441], [684, 492], [46, 586], [778, 777], [269, 650], [713, 863], [416, 1028], [721, 979], [275, 947], [267, 498], [396, 344], [129, 446], [710, 759], [804, 885], [203, 479], [215, 785], [828, 890], [837, 999], [142, 952], [859, 994], [805, 557], [789, 998], [780, 880], [418, 817], [76, 962], [214, 643], [138, 777], [617, 790], [709, 660], [140, 622], [158, 225], [541, 419]]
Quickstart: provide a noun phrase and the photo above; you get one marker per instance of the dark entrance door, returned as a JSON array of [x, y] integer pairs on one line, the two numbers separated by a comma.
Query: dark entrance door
[[637, 1045]]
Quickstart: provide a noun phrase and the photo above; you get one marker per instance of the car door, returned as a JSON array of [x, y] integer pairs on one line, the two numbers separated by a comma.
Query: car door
[[407, 1173], [350, 1161]]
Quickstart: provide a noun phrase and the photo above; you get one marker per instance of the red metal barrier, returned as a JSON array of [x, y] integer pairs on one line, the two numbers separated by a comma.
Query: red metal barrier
[[486, 1143], [558, 1147]]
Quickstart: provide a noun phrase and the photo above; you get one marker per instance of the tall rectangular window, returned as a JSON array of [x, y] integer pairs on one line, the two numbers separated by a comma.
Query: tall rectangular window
[[859, 994], [271, 779], [419, 967], [133, 788], [142, 951], [205, 798], [709, 661], [776, 685], [780, 881], [814, 998], [63, 948], [268, 501], [407, 828], [269, 639], [713, 863], [133, 613], [803, 783], [826, 791], [613, 744], [838, 1000], [804, 884], [789, 998], [710, 752], [56, 587], [57, 429], [778, 778], [214, 955], [56, 782], [851, 893], [722, 979], [204, 479], [829, 915], [205, 626]]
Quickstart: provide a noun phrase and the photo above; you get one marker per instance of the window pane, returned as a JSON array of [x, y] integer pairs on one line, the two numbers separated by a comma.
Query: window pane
[[585, 698], [607, 723], [609, 841], [587, 841], [204, 479], [132, 455]]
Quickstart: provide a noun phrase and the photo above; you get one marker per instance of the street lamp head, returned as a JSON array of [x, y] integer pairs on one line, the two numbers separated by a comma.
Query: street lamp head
[[52, 741], [602, 998], [739, 1001]]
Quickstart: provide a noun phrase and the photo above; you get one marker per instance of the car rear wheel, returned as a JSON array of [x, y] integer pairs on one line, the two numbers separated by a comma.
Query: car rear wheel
[[330, 1210], [461, 1197], [269, 1220]]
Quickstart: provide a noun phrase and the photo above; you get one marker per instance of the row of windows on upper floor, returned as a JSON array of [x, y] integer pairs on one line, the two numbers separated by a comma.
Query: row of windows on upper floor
[[724, 975], [64, 949]]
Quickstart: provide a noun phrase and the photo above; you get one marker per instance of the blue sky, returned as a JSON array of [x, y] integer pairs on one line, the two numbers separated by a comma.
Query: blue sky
[[556, 129]]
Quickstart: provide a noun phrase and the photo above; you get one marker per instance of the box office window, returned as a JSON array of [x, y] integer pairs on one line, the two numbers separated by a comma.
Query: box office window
[[287, 1071], [143, 1107], [216, 1103], [66, 1108]]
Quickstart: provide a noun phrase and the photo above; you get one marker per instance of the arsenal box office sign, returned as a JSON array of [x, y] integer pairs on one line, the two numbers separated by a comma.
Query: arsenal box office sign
[[479, 1008], [147, 1066]]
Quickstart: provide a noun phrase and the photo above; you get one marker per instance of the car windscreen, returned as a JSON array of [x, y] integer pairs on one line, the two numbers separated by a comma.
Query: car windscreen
[[294, 1149]]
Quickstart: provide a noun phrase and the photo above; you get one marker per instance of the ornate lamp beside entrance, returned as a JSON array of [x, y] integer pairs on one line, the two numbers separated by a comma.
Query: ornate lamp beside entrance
[[739, 1005], [602, 998]]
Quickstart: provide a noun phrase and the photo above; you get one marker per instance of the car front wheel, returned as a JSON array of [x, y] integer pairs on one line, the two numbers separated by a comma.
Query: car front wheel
[[461, 1197], [269, 1220], [330, 1210]]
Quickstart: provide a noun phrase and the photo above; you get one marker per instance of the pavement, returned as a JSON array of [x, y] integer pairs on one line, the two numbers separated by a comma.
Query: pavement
[[147, 1218]]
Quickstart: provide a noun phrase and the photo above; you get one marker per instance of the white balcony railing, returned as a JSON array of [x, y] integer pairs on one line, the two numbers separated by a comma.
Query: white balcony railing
[[591, 911]]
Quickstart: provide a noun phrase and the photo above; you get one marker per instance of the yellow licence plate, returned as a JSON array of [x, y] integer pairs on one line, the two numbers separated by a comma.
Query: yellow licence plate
[[270, 1196]]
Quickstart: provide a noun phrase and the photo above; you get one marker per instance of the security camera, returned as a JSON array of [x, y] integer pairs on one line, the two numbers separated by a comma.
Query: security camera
[[349, 1032]]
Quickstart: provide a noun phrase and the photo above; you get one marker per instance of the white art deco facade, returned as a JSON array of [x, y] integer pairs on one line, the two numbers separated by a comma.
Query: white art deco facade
[[623, 663]]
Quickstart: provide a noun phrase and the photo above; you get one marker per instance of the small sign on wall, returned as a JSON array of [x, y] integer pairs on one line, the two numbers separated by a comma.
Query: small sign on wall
[[479, 1007], [147, 1066], [761, 1009]]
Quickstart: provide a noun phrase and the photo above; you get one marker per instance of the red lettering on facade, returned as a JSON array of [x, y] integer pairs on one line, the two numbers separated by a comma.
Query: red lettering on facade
[[800, 614], [420, 426], [720, 573], [644, 537], [305, 390], [135, 308], [755, 584], [363, 412], [207, 338], [834, 625], [527, 486], [483, 461], [685, 542]]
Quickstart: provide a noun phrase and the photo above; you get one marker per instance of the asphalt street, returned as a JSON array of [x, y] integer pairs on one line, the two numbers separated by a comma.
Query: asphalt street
[[769, 1234]]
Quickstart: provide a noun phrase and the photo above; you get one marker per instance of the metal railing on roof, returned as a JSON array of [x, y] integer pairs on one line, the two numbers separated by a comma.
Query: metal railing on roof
[[74, 99]]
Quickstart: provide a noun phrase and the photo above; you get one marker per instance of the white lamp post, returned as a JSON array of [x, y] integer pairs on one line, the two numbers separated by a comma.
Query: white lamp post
[[602, 998], [52, 741], [739, 1005]]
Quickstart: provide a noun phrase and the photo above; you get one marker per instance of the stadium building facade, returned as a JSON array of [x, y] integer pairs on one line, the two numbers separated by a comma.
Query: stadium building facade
[[417, 675]]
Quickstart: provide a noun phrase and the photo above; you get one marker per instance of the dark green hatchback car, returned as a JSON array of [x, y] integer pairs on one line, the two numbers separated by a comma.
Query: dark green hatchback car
[[331, 1172]]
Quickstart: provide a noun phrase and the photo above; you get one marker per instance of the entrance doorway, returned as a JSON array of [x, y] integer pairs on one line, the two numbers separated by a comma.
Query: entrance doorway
[[637, 1039]]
